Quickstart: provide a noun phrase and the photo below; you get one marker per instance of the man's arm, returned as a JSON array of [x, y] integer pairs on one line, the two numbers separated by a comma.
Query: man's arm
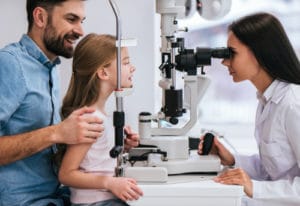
[[77, 128], [16, 147]]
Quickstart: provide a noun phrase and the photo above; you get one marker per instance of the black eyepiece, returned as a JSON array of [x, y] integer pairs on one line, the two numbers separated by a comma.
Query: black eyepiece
[[222, 53]]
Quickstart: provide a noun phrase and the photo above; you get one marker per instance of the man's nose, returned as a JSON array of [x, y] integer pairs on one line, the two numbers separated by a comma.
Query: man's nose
[[79, 30]]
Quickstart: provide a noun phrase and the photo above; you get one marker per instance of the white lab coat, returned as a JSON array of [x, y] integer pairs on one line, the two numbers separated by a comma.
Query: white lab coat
[[276, 170]]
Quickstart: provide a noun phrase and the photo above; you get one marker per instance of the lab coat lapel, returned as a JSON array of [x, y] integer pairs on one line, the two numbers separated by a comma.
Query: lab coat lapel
[[260, 122], [274, 98], [265, 102], [262, 117]]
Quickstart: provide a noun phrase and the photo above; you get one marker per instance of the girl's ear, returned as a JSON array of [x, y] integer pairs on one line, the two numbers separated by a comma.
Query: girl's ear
[[102, 73]]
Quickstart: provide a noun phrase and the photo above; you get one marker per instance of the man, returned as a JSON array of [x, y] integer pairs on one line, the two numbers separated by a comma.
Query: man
[[29, 105]]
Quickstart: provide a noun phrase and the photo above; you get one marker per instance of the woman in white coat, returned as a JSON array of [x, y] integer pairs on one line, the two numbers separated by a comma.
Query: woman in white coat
[[262, 54]]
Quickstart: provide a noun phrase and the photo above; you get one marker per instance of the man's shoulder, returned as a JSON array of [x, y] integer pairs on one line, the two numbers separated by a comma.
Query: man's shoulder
[[10, 50], [16, 48], [11, 61], [10, 57]]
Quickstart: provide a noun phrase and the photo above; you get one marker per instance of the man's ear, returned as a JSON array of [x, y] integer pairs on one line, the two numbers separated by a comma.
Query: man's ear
[[102, 73], [40, 17]]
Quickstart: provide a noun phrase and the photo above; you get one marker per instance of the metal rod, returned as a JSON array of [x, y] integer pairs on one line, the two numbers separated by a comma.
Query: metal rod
[[119, 100], [119, 116], [173, 69]]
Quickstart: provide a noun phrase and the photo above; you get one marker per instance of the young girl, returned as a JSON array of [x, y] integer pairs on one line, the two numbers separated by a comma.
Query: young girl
[[87, 168], [262, 54]]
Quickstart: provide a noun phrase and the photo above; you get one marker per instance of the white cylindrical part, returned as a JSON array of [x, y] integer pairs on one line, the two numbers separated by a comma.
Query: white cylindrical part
[[215, 9], [145, 125]]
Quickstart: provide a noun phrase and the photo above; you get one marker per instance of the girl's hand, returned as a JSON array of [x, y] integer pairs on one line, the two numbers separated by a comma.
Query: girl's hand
[[132, 139], [124, 188], [236, 177], [218, 149]]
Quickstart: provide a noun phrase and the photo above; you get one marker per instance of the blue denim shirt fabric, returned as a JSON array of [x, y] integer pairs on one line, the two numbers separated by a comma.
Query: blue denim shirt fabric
[[25, 105]]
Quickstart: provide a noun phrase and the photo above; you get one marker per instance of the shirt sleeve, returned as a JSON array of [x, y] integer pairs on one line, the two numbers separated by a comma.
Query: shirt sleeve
[[252, 165], [12, 86], [293, 128], [277, 189]]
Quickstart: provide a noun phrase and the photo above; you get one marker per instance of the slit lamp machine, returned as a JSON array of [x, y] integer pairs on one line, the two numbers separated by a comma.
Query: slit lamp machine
[[164, 150]]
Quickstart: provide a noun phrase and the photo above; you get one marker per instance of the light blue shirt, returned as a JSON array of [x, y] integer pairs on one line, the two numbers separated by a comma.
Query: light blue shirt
[[25, 105]]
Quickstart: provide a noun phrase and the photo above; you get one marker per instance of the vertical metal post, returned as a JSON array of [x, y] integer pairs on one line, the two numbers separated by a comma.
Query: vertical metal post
[[119, 116]]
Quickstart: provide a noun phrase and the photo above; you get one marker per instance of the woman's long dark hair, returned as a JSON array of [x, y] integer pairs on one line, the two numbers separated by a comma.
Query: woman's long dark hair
[[264, 35]]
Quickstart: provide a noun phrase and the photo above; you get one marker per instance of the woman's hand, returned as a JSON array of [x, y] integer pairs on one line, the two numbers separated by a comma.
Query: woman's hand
[[124, 188], [218, 149], [236, 177]]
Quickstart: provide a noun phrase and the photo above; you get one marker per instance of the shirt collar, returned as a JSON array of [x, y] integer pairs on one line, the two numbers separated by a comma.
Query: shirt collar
[[36, 52], [273, 93]]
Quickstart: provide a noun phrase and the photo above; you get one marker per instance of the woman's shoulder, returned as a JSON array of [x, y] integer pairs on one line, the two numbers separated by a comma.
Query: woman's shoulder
[[291, 98], [295, 91]]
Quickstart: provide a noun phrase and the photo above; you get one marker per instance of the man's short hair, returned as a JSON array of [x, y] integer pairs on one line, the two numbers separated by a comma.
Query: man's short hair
[[46, 4]]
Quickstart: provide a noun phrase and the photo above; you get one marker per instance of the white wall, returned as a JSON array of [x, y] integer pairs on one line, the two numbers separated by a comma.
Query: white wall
[[138, 20]]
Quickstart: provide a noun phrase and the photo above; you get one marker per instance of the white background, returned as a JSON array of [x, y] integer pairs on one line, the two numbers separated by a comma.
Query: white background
[[138, 17]]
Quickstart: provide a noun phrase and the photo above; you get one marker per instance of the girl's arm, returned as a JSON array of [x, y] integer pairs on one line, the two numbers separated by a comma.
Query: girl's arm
[[70, 175]]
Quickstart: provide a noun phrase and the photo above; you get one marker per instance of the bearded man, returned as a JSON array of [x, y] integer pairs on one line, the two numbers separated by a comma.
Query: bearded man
[[30, 124]]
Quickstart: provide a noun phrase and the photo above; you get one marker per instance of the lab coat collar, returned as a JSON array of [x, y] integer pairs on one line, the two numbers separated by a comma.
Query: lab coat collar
[[273, 94]]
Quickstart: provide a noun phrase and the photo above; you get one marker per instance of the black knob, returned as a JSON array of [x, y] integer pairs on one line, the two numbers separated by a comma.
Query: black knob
[[173, 120], [208, 141], [115, 151]]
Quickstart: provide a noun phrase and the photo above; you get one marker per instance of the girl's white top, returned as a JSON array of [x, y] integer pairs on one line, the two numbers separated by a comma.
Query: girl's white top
[[99, 162]]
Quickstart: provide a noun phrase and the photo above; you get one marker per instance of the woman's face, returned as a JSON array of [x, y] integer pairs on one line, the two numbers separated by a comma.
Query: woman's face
[[243, 64]]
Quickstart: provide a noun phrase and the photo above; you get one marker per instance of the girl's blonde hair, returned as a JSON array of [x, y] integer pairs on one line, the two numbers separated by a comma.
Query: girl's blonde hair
[[92, 52]]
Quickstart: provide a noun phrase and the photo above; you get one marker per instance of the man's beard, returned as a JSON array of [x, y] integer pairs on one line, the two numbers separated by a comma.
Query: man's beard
[[55, 43]]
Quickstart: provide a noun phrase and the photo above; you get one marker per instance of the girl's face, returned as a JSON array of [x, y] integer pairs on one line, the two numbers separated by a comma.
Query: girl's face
[[127, 70], [243, 64]]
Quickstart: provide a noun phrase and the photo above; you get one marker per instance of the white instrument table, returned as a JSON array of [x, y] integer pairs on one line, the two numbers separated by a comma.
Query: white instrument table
[[189, 190]]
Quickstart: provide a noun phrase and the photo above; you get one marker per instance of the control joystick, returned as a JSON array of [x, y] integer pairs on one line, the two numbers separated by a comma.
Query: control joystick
[[208, 140]]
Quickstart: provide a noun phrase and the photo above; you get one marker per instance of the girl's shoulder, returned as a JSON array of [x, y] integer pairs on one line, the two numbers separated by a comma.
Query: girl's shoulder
[[100, 114]]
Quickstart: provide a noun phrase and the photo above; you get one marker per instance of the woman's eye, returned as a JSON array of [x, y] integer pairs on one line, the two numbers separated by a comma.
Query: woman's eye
[[232, 53]]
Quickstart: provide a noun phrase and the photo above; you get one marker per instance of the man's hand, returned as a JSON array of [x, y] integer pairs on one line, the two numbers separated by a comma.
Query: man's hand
[[131, 140], [79, 127]]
